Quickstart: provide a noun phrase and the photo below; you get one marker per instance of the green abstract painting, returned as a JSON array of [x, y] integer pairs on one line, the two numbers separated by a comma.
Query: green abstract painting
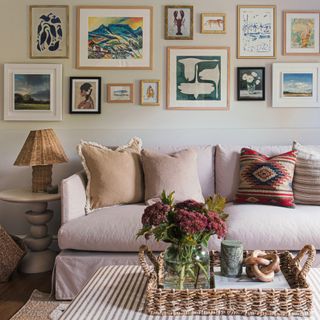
[[198, 78]]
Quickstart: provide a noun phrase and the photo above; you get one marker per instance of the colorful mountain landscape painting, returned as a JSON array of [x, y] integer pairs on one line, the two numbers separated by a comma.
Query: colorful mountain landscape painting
[[115, 38]]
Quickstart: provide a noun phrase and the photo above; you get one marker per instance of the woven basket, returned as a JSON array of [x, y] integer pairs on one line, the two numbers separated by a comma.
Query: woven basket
[[12, 250], [296, 301]]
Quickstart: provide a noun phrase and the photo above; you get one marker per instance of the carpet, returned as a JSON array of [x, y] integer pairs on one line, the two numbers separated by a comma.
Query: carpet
[[41, 306]]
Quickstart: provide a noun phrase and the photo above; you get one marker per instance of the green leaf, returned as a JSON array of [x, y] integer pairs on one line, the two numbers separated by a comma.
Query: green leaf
[[143, 231], [217, 204]]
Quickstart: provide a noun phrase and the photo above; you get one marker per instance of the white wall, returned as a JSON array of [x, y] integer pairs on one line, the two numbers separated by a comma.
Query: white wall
[[245, 123]]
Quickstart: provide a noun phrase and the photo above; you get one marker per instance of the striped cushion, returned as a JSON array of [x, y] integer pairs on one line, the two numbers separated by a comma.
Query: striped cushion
[[306, 182], [266, 180]]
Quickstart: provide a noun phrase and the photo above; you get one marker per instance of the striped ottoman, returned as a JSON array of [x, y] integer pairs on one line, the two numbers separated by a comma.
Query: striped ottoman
[[117, 293]]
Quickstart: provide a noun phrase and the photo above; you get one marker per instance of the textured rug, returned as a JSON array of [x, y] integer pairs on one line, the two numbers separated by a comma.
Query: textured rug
[[40, 306]]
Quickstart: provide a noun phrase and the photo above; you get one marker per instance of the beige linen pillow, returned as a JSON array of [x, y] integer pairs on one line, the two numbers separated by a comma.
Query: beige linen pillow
[[176, 172], [114, 176], [306, 180]]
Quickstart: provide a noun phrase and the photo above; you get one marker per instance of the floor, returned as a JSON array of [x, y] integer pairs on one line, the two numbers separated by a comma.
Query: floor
[[15, 293]]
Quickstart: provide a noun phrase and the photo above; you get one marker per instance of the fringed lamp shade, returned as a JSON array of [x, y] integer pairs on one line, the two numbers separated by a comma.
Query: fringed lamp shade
[[41, 150]]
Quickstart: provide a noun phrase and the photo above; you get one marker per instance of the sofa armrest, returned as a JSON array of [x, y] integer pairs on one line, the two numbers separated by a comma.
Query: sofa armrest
[[73, 197]]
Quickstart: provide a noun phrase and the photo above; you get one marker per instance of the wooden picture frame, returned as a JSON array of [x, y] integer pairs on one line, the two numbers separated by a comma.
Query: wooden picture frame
[[95, 49], [251, 83], [211, 65], [125, 94], [33, 92], [178, 22], [48, 31], [211, 23], [85, 95], [251, 46], [150, 92], [296, 85], [301, 33]]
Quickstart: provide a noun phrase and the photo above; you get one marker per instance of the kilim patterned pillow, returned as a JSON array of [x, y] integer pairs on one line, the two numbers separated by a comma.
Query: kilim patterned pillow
[[306, 181], [266, 180]]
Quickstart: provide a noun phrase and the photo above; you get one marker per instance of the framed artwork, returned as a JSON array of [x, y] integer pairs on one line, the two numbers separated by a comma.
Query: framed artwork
[[198, 78], [33, 92], [256, 32], [301, 33], [115, 37], [178, 23], [85, 95], [49, 31], [251, 83], [120, 93], [150, 92], [296, 85], [213, 23]]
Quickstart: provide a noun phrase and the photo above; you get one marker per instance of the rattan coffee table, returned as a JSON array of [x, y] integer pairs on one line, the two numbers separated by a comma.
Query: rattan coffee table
[[118, 293]]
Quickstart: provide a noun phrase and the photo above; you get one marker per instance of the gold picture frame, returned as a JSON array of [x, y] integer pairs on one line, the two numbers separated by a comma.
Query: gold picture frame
[[93, 55], [150, 96], [124, 93], [249, 47], [49, 31], [302, 34], [213, 26], [178, 19]]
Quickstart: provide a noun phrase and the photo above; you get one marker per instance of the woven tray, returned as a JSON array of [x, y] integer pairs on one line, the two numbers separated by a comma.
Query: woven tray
[[296, 301]]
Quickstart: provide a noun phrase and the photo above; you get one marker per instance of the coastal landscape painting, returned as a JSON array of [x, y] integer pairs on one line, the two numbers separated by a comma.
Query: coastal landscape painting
[[198, 78], [32, 92], [114, 37], [256, 31], [297, 85]]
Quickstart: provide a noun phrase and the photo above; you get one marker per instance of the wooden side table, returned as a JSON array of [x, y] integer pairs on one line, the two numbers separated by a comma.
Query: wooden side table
[[39, 258]]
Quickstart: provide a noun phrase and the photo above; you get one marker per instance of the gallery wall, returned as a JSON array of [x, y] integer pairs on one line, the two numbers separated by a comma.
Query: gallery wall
[[245, 122]]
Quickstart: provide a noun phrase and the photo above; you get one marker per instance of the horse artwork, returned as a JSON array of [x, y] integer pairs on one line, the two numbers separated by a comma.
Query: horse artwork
[[179, 22], [49, 31]]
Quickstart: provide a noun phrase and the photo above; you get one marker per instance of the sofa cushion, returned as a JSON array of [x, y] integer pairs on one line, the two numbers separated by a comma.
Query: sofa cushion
[[227, 166], [306, 181], [266, 180], [110, 229], [266, 228], [176, 172], [114, 176]]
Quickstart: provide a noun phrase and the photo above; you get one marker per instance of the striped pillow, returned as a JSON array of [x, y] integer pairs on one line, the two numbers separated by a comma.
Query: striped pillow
[[306, 181], [266, 180]]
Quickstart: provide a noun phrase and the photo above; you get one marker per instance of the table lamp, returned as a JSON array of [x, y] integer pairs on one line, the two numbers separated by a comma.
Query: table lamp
[[41, 150]]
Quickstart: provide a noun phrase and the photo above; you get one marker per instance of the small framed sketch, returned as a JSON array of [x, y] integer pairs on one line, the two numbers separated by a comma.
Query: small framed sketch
[[301, 33], [256, 32], [49, 31], [213, 23], [150, 92], [296, 85], [111, 37], [33, 92], [85, 95], [120, 93], [178, 23], [251, 83], [198, 78]]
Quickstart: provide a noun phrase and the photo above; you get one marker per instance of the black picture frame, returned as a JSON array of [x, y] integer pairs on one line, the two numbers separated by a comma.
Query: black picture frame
[[86, 104], [251, 91]]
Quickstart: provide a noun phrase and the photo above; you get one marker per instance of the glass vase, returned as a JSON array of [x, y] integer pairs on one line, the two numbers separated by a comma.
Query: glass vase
[[186, 267], [251, 88]]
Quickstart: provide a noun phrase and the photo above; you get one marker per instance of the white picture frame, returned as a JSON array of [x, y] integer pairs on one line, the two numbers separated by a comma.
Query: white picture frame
[[296, 85], [198, 78], [32, 92]]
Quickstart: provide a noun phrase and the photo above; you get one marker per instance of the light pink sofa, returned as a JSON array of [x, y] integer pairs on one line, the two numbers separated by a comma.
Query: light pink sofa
[[108, 236]]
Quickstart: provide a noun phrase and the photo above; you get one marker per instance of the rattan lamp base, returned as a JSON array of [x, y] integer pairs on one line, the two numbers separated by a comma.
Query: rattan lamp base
[[41, 178]]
